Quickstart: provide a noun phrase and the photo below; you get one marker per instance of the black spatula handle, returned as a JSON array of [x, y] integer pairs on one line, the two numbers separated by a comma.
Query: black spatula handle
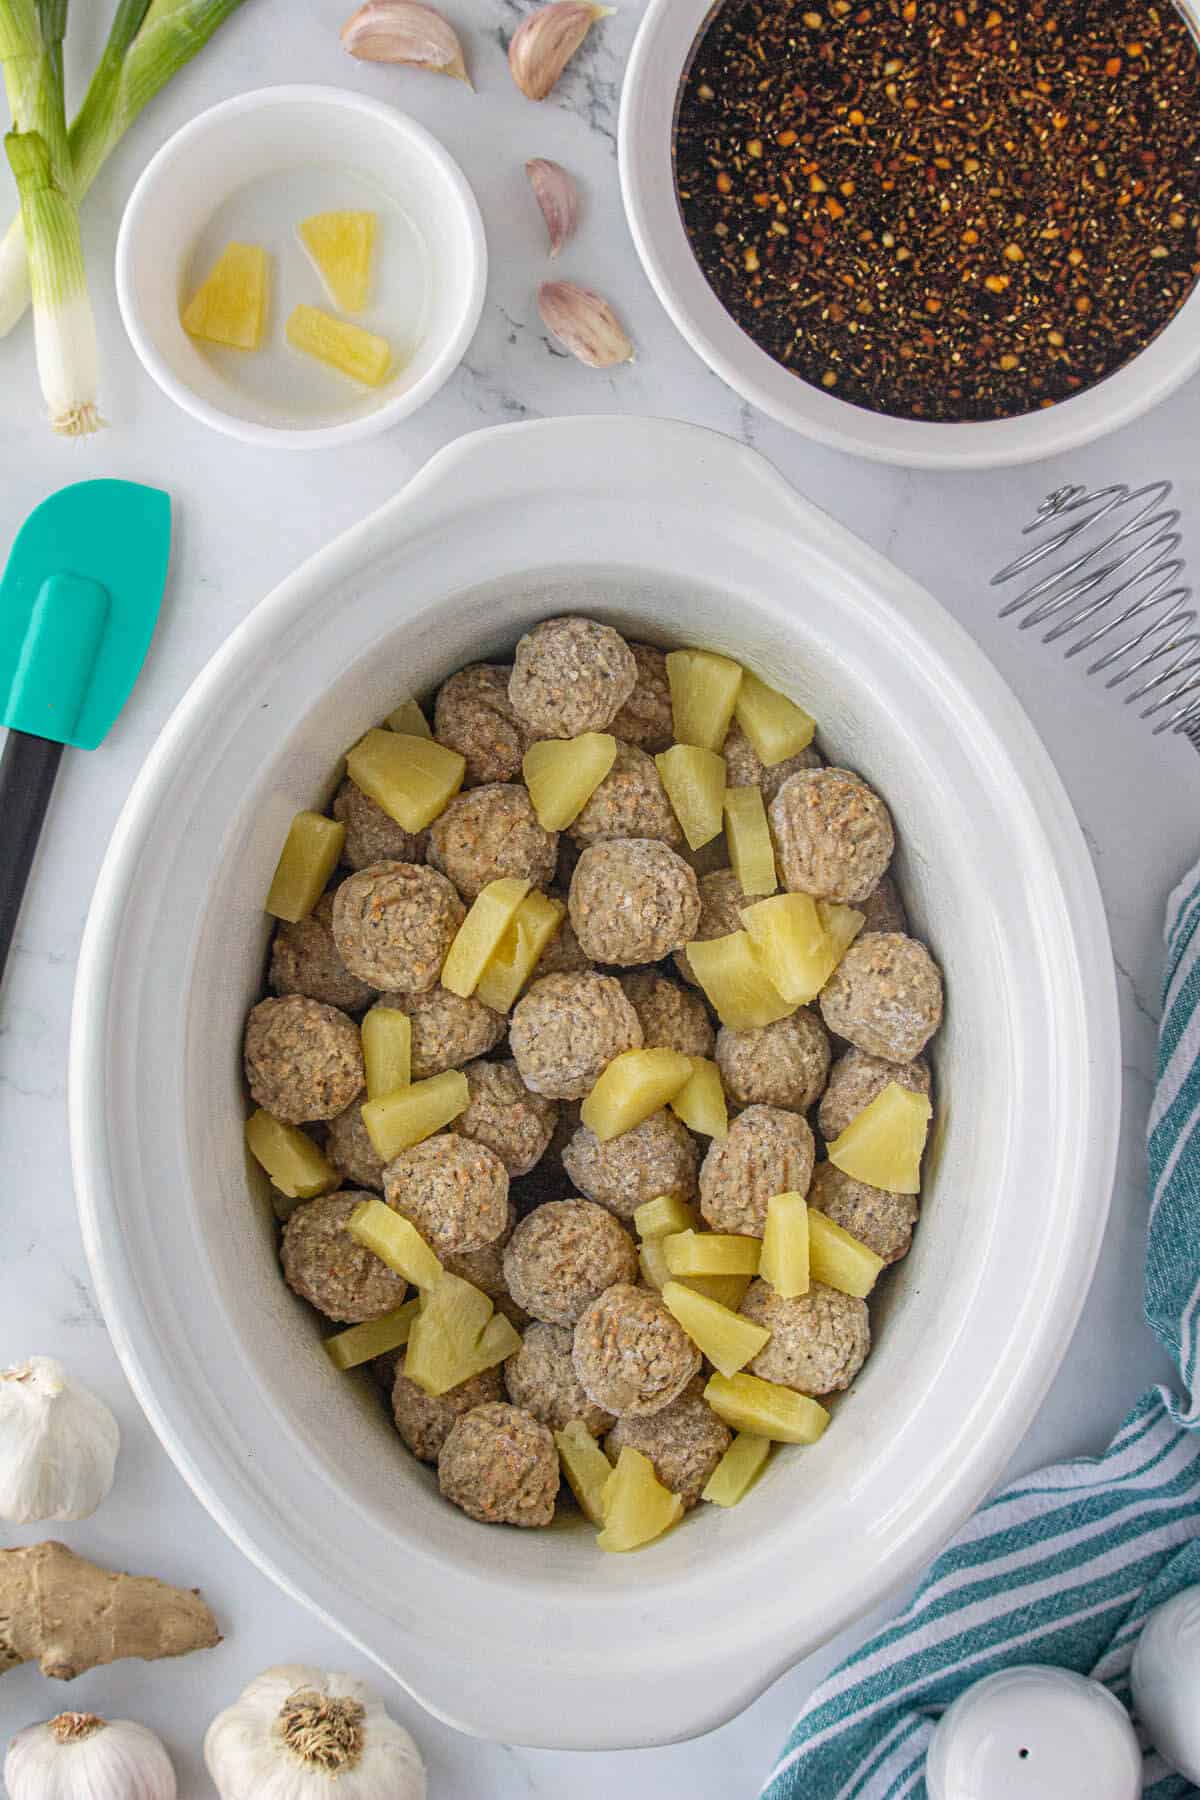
[[28, 766]]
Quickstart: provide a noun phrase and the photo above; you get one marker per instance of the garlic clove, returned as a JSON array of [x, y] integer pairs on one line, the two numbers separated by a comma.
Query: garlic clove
[[584, 323], [81, 1754], [556, 194], [58, 1444], [544, 43], [300, 1731], [404, 31]]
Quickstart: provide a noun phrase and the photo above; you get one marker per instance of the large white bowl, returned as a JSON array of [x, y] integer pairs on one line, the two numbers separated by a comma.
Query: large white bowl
[[679, 535]]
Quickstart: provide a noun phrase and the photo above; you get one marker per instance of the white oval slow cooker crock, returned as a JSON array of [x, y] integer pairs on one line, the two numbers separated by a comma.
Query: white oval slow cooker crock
[[677, 535]]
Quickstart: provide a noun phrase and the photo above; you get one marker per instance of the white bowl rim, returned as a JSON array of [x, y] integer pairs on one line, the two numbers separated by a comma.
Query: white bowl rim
[[278, 437]]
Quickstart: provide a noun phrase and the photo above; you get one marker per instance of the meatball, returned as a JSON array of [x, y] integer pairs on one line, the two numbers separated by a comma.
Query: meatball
[[630, 1355], [373, 836], [633, 901], [393, 924], [721, 901], [350, 1150], [500, 1466], [684, 1442], [304, 1059], [766, 1151], [502, 1113], [562, 955], [631, 802], [881, 1220], [646, 719], [567, 1029], [424, 1420], [563, 1255], [453, 1191], [447, 1030], [785, 1064], [304, 960], [883, 909], [474, 716], [833, 834], [856, 1079], [671, 1017], [744, 767], [541, 1378], [323, 1264], [484, 1269], [885, 996], [659, 1156], [818, 1343], [571, 675], [490, 833]]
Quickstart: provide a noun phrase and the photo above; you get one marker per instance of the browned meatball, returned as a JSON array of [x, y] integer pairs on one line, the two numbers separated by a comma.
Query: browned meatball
[[856, 1079], [304, 1059], [881, 1220], [833, 834], [567, 1029], [489, 834], [684, 1442], [474, 716], [744, 767], [632, 901], [721, 901], [563, 1255], [631, 802], [785, 1064], [447, 1030], [818, 1343], [304, 960], [484, 1269], [503, 1114], [672, 1017], [562, 955], [659, 1156], [883, 909], [885, 996], [425, 1421], [645, 719], [350, 1150], [571, 675], [541, 1378], [500, 1466], [323, 1264], [630, 1355], [766, 1151], [453, 1191], [393, 924], [373, 836]]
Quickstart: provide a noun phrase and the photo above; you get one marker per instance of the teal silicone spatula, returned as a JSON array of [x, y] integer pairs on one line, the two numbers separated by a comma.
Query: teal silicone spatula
[[79, 601]]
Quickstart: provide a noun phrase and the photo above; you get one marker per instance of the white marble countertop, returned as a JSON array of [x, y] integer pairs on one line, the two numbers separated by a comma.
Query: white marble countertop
[[244, 519]]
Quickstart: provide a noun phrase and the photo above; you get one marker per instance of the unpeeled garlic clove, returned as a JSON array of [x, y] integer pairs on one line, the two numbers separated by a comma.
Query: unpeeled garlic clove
[[404, 31], [558, 197], [584, 323], [544, 43]]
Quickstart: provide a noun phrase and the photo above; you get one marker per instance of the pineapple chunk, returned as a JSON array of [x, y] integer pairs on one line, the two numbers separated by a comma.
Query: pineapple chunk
[[395, 1241], [839, 1259], [455, 1335], [842, 925], [562, 774], [659, 1218], [491, 914], [515, 957], [230, 305], [652, 1261], [387, 1050], [412, 778], [360, 355], [792, 943], [695, 784], [884, 1144], [700, 1102], [751, 853], [704, 691], [729, 971], [738, 1470], [728, 1340], [308, 858], [775, 725], [362, 1343], [341, 245], [747, 1403], [634, 1085], [637, 1507], [711, 1253], [409, 720], [293, 1163], [785, 1255], [586, 1468], [398, 1120], [726, 1290]]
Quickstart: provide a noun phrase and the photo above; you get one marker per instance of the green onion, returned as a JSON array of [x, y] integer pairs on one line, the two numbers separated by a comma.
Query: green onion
[[65, 331]]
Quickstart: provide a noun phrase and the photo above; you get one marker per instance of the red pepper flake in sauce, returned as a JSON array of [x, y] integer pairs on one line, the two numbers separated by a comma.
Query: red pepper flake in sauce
[[975, 210]]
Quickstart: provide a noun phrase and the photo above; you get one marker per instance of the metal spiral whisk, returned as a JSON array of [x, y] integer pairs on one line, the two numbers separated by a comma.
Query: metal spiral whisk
[[1117, 584]]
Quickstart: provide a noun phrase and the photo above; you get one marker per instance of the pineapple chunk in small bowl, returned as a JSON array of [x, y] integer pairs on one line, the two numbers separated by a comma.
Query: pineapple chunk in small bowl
[[301, 267]]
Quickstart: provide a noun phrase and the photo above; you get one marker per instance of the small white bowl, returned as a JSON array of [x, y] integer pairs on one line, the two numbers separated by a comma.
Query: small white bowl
[[661, 54], [266, 134]]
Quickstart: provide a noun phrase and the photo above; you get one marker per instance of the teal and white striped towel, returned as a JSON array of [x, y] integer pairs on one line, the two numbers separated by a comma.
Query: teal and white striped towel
[[1064, 1566]]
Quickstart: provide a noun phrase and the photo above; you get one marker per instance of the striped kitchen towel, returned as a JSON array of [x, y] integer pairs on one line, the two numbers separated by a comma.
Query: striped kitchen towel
[[1063, 1566]]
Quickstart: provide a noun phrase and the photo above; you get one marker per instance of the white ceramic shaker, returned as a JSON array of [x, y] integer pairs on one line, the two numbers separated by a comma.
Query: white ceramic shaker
[[1166, 1682], [1034, 1733]]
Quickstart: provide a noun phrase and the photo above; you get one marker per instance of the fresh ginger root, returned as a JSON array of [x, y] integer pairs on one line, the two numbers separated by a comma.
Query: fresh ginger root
[[69, 1615]]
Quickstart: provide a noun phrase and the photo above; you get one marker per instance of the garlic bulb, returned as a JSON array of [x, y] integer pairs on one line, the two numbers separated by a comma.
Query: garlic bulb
[[404, 31], [58, 1444], [294, 1731], [558, 197], [584, 323], [544, 43], [80, 1757]]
